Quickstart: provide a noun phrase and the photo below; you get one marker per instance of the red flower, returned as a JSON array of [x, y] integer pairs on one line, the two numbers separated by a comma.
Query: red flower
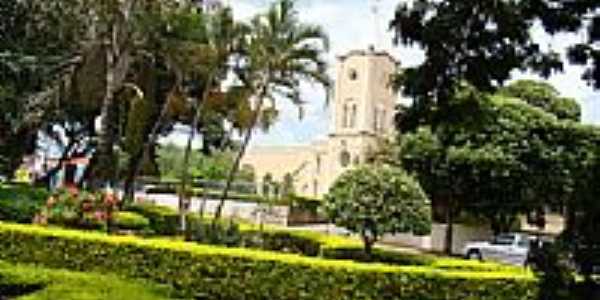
[[86, 206]]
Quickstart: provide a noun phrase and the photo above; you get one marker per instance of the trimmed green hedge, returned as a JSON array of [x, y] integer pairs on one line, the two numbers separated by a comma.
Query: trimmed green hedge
[[378, 255], [35, 283], [209, 272], [130, 221], [310, 243], [163, 220]]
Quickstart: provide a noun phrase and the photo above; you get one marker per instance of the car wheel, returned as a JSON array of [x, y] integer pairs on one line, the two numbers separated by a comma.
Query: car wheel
[[474, 254]]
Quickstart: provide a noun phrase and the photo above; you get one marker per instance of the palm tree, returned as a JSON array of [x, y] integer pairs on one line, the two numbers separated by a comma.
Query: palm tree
[[223, 36], [281, 52]]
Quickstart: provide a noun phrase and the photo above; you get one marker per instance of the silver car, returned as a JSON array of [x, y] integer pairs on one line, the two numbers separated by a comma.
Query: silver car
[[509, 248]]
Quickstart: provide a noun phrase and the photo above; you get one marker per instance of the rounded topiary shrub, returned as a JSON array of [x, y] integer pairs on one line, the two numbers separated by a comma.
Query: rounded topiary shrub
[[375, 200], [130, 221]]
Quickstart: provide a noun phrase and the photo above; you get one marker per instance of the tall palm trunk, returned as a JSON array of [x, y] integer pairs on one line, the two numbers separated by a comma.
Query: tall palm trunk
[[185, 176], [236, 165]]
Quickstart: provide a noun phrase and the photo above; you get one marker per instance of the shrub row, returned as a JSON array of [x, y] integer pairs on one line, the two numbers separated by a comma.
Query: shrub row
[[209, 272], [165, 221]]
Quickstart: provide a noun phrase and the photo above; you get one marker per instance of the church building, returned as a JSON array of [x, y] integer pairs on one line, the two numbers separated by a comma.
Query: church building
[[362, 115]]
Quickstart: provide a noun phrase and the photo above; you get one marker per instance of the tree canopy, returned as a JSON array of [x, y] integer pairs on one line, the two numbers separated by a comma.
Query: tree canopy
[[482, 42], [376, 200]]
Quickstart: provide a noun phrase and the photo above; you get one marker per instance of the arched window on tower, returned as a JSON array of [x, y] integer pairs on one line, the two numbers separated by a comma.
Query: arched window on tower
[[345, 158], [353, 116], [345, 116], [375, 119], [318, 164], [383, 122]]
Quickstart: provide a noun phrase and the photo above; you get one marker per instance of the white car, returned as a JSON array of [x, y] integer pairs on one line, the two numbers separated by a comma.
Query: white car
[[510, 248]]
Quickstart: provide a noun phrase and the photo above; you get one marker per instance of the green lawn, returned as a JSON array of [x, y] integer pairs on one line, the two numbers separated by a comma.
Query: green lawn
[[67, 285]]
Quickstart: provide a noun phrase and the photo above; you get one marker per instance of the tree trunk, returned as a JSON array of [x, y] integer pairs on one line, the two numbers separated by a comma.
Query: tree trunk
[[449, 238], [130, 178], [105, 143], [118, 62], [368, 248], [183, 194], [238, 159]]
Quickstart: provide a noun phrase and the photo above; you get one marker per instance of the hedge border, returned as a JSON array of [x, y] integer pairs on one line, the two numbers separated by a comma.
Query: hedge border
[[210, 272]]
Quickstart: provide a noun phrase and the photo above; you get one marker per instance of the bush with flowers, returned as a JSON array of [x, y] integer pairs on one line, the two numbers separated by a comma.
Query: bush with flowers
[[78, 209]]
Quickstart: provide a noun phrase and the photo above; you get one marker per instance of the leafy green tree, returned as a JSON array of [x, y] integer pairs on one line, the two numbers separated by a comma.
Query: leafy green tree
[[545, 96], [495, 157], [482, 42], [281, 52], [37, 54], [376, 200], [219, 46]]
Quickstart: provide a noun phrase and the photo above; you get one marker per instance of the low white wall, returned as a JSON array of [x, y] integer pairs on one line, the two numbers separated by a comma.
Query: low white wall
[[409, 240], [461, 235], [435, 241], [254, 212]]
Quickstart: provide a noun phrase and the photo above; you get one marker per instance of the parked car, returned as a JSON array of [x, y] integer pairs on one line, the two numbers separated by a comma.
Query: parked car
[[510, 248]]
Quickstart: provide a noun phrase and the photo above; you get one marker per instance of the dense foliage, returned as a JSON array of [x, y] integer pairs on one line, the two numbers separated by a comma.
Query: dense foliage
[[376, 200], [482, 42], [500, 157], [212, 272], [21, 203], [545, 96]]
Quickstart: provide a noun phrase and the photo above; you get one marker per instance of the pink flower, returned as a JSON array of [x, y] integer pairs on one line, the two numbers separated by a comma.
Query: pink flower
[[73, 190], [110, 199], [40, 219], [100, 216]]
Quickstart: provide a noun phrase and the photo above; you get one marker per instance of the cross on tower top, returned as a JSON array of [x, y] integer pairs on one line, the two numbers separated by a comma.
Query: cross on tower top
[[377, 43]]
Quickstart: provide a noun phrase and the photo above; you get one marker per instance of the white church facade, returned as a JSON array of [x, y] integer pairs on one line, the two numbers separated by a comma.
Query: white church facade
[[362, 114]]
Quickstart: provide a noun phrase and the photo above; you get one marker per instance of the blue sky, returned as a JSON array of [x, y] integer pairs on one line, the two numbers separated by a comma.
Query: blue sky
[[352, 25]]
